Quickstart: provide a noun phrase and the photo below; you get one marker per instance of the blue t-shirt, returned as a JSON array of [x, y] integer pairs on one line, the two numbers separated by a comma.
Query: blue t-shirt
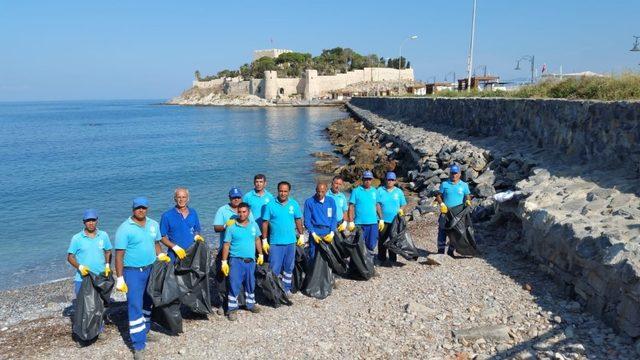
[[341, 204], [138, 242], [390, 202], [223, 214], [320, 217], [242, 240], [257, 203], [364, 202], [453, 194], [90, 252], [178, 229], [282, 221]]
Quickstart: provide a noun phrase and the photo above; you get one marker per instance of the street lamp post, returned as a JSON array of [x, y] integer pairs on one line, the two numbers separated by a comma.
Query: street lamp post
[[532, 60], [452, 73], [412, 37], [470, 58]]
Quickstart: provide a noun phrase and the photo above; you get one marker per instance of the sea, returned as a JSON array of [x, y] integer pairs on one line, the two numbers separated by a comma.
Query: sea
[[59, 158]]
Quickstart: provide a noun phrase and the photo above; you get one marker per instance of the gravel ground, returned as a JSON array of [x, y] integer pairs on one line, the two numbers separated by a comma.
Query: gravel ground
[[410, 311]]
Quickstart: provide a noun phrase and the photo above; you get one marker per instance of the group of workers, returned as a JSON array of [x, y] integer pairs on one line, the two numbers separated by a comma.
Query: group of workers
[[250, 226]]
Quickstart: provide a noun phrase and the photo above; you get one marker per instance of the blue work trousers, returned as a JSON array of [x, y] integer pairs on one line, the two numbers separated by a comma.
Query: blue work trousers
[[138, 304], [241, 274], [282, 259], [370, 234], [442, 235]]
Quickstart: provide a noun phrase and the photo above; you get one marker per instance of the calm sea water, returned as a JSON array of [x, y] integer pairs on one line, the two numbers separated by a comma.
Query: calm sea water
[[58, 158]]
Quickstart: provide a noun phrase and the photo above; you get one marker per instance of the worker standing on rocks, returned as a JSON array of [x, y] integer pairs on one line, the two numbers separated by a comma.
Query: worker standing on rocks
[[363, 211], [342, 206], [180, 226], [280, 219], [241, 241], [320, 218], [225, 217], [258, 197], [391, 200], [137, 248], [453, 192], [89, 250]]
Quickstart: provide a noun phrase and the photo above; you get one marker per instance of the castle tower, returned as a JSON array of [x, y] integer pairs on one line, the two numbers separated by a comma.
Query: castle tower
[[310, 84], [270, 85]]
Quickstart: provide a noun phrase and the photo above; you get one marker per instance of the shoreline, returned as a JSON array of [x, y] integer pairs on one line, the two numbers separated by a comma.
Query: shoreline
[[516, 310]]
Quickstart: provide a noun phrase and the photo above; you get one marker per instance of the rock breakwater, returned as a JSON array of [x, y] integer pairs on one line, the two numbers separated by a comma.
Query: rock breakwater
[[580, 224]]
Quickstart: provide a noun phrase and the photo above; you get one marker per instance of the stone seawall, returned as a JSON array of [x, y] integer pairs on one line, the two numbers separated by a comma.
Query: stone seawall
[[578, 221], [595, 131]]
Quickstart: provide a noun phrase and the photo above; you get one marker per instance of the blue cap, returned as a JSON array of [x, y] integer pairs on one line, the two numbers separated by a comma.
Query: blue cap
[[140, 202], [367, 175], [454, 169], [390, 175], [234, 192], [90, 214]]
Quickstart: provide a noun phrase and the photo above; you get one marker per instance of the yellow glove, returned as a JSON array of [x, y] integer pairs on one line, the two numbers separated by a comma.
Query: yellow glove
[[121, 285], [225, 268], [443, 208], [300, 241], [180, 253], [351, 226], [401, 212], [84, 271], [107, 270], [380, 225], [229, 222], [265, 246], [316, 238], [329, 237], [260, 260], [164, 257], [198, 238], [342, 226], [468, 202]]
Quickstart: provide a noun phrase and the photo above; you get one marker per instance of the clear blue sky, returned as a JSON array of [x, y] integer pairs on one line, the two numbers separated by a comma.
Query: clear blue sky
[[53, 50]]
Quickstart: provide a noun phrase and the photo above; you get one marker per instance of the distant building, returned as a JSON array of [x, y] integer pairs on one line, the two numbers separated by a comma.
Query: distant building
[[271, 53], [572, 75]]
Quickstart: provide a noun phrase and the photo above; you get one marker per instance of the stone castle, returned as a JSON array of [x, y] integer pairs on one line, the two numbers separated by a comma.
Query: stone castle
[[310, 86]]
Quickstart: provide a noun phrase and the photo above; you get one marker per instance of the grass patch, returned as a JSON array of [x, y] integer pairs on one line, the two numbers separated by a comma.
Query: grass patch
[[620, 87]]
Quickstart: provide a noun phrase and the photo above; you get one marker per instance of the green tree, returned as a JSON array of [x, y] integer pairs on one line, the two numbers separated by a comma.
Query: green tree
[[261, 65]]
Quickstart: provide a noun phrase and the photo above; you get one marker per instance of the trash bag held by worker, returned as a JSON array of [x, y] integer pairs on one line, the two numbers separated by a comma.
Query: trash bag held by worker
[[299, 269], [92, 298], [339, 241], [459, 230], [192, 274], [165, 294], [360, 263], [318, 281], [400, 241], [269, 287], [332, 255]]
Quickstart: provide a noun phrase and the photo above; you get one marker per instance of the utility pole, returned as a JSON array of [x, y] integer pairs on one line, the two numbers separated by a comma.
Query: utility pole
[[470, 58]]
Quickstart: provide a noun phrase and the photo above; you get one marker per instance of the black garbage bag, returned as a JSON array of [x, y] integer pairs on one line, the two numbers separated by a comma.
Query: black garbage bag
[[165, 294], [400, 241], [343, 248], [91, 301], [269, 287], [318, 281], [333, 256], [360, 263], [192, 274], [299, 269], [459, 230]]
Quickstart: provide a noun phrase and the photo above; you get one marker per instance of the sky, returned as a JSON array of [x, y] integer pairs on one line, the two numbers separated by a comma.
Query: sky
[[86, 50]]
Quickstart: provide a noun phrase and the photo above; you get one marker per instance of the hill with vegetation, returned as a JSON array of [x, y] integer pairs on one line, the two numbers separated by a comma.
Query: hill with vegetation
[[293, 64]]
